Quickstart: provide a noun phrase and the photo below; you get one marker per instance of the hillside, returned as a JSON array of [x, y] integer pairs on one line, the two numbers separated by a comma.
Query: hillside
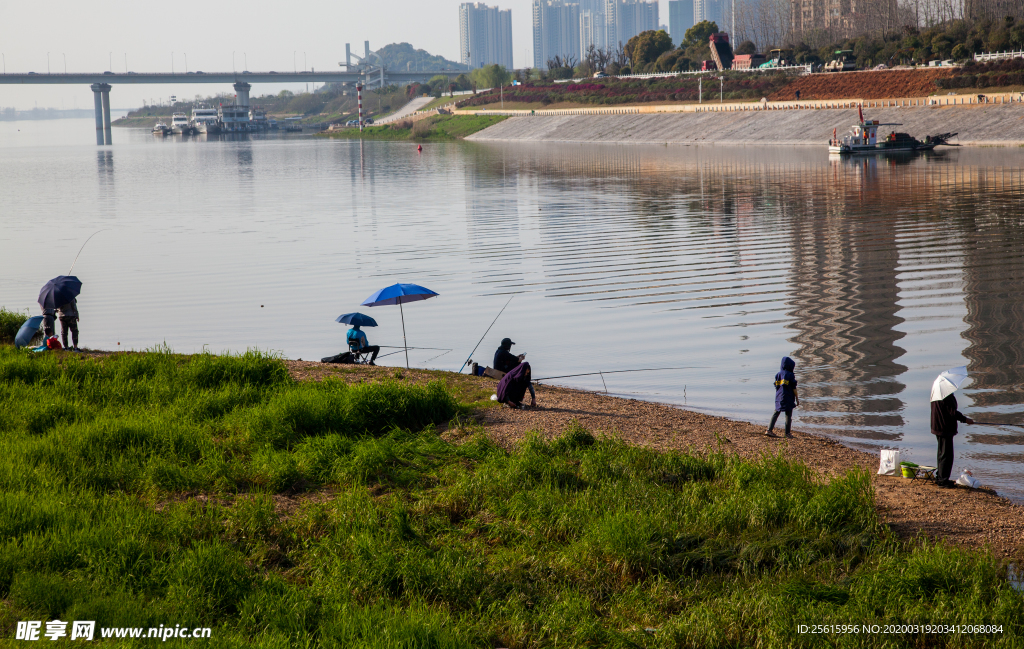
[[401, 56]]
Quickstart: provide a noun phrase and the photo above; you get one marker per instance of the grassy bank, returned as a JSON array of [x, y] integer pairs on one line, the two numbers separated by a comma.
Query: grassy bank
[[439, 128], [148, 489]]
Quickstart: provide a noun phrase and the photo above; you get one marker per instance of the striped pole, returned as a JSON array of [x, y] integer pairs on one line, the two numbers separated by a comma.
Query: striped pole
[[359, 96]]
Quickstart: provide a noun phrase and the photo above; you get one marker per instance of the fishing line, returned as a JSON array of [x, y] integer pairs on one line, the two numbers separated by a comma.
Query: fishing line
[[992, 423], [438, 356], [648, 369], [468, 358], [83, 248], [436, 349]]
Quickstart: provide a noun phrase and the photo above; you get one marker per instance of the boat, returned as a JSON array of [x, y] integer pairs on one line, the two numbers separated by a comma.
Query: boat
[[234, 118], [179, 124], [272, 124], [161, 129], [205, 120], [258, 119], [863, 139]]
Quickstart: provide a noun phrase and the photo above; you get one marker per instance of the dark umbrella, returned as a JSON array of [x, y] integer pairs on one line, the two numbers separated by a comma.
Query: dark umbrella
[[356, 320], [59, 291], [400, 294]]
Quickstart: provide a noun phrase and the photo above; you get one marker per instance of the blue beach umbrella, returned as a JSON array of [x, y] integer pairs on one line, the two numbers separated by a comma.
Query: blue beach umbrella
[[400, 294], [28, 331], [356, 320], [59, 291]]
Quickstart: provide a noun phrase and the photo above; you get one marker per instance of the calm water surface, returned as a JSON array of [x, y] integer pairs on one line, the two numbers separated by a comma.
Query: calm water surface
[[874, 275]]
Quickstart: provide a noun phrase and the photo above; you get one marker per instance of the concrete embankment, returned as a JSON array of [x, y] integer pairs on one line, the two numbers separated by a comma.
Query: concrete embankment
[[978, 125]]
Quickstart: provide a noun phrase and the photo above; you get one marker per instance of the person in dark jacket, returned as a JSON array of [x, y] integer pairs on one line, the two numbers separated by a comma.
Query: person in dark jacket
[[944, 419], [504, 359], [786, 397], [512, 387], [68, 315]]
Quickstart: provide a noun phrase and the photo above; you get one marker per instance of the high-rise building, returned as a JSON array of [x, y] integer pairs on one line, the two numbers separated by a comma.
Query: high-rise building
[[485, 35], [592, 29], [680, 18], [556, 31], [624, 19], [716, 11]]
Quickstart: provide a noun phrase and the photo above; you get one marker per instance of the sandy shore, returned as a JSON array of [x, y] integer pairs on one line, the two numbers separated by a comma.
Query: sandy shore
[[969, 517]]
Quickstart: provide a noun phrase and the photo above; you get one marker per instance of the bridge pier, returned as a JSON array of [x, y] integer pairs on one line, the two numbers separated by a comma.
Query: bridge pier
[[101, 97], [242, 92]]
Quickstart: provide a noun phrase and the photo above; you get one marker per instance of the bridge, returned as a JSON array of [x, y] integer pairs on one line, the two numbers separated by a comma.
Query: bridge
[[102, 82]]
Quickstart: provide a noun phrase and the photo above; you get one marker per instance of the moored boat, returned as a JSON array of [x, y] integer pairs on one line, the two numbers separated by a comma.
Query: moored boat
[[864, 139], [161, 129], [179, 124], [205, 120]]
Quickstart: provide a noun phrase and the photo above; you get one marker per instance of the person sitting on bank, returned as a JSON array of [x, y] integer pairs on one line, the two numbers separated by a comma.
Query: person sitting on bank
[[357, 342], [505, 361], [68, 314]]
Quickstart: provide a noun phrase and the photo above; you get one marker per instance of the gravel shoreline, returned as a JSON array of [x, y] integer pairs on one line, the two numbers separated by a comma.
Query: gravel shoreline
[[976, 518]]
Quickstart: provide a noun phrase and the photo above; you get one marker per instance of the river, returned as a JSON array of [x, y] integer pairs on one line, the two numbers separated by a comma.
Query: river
[[875, 275]]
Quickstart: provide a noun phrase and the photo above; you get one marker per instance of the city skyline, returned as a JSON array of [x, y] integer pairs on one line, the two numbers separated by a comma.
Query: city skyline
[[485, 35]]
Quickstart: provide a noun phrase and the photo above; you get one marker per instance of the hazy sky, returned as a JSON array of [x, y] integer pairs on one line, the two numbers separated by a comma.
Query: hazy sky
[[96, 35]]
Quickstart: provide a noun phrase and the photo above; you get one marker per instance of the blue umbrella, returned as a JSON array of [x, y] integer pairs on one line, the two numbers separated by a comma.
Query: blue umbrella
[[59, 291], [28, 331], [400, 294], [357, 320]]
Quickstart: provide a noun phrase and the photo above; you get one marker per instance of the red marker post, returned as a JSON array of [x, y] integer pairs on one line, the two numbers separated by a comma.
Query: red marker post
[[359, 97]]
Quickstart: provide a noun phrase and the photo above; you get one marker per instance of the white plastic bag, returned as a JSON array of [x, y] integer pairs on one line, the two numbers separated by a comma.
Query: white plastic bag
[[968, 480], [890, 464]]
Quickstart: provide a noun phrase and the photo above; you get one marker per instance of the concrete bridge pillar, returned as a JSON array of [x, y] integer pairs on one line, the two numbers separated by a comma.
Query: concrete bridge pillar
[[242, 90], [107, 134], [96, 89], [101, 98]]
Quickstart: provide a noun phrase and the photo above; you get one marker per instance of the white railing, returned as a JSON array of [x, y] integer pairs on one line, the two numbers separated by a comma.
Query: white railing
[[806, 69], [996, 56]]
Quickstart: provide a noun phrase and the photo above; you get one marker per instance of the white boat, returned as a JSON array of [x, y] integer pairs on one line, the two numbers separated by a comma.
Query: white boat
[[205, 120], [179, 123], [161, 129]]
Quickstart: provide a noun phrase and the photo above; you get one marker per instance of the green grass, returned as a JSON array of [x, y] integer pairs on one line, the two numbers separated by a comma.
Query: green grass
[[440, 128], [148, 489], [10, 323]]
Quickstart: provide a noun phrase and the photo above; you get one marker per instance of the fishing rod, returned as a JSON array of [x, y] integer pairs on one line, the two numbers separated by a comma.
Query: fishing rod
[[648, 369], [992, 423], [83, 248], [436, 349], [468, 358]]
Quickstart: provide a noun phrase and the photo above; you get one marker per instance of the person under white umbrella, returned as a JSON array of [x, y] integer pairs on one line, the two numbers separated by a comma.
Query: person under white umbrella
[[944, 420]]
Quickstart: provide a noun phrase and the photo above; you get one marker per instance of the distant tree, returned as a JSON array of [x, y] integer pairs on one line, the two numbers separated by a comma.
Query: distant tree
[[490, 76], [699, 34], [746, 47], [284, 94], [647, 46]]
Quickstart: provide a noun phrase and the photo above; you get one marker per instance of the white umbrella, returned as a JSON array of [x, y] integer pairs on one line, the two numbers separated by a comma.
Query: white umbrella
[[948, 382]]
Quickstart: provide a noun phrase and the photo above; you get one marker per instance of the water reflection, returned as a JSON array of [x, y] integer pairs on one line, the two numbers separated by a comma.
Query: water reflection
[[874, 273]]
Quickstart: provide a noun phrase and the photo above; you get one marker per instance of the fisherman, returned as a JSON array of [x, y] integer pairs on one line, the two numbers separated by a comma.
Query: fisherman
[[505, 361], [512, 387], [944, 418], [357, 342], [49, 318], [786, 397], [68, 314]]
